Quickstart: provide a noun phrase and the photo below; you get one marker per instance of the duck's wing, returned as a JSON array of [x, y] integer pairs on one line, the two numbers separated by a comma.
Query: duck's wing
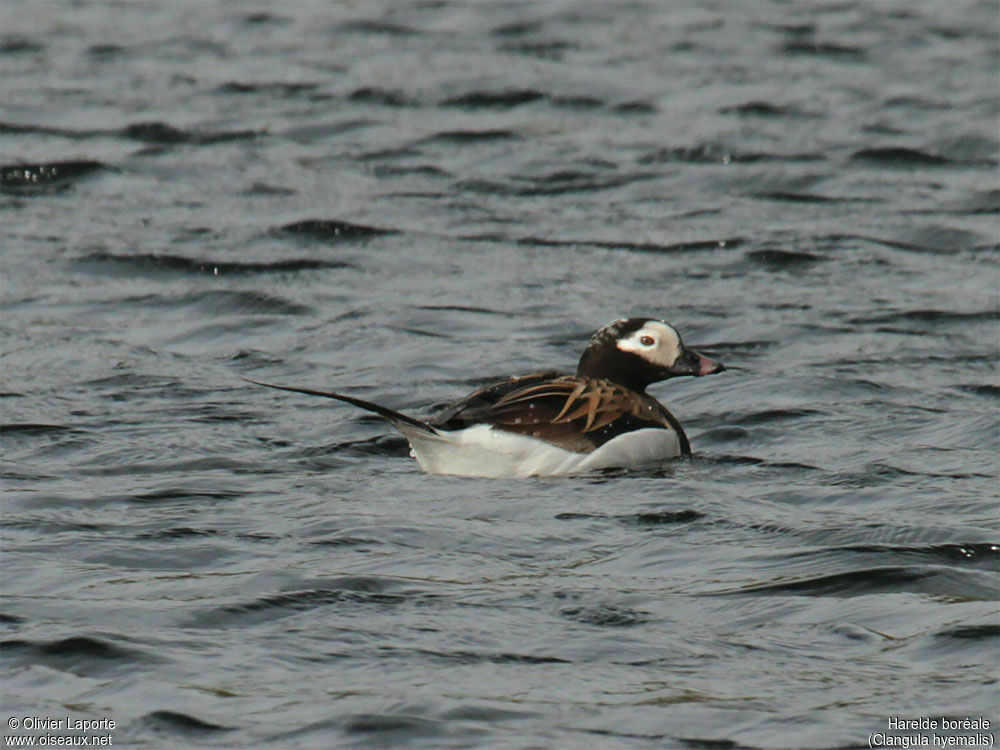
[[578, 414], [474, 408]]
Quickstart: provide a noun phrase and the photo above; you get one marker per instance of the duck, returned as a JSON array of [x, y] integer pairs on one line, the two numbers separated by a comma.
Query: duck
[[554, 424]]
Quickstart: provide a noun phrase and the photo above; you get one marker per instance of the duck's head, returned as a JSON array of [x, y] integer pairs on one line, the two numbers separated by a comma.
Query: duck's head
[[635, 352]]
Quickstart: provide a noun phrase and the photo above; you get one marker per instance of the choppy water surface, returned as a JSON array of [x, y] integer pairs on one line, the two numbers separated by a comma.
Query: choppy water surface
[[406, 200]]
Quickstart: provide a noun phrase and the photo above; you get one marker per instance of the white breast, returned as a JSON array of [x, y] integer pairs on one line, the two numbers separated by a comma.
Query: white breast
[[482, 451]]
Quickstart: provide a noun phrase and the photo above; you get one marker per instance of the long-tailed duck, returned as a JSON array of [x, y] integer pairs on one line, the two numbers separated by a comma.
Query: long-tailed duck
[[550, 424]]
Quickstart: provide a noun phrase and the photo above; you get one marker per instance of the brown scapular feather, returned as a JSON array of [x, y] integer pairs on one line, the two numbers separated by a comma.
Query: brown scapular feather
[[598, 402]]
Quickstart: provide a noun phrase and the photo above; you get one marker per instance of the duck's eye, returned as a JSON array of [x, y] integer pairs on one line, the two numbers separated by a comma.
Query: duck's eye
[[647, 340]]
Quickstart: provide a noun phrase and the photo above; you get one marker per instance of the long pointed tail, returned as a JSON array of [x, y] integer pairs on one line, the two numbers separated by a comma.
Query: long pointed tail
[[395, 417]]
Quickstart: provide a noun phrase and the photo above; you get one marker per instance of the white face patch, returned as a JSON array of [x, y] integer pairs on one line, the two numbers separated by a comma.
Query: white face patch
[[655, 341]]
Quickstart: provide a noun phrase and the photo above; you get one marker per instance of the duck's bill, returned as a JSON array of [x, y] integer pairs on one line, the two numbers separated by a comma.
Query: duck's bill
[[693, 363]]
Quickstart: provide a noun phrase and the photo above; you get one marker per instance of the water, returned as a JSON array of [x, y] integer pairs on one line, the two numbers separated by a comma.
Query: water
[[406, 200]]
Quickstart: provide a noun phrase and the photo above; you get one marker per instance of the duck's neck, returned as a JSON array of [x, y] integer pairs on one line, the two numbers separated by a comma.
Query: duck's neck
[[624, 368]]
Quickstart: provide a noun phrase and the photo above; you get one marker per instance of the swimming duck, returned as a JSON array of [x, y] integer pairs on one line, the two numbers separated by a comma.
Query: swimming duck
[[551, 424]]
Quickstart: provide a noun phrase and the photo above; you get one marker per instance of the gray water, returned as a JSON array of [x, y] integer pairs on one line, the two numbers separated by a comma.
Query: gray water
[[404, 201]]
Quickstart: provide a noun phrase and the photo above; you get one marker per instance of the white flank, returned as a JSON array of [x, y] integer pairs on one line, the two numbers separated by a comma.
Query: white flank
[[482, 451]]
